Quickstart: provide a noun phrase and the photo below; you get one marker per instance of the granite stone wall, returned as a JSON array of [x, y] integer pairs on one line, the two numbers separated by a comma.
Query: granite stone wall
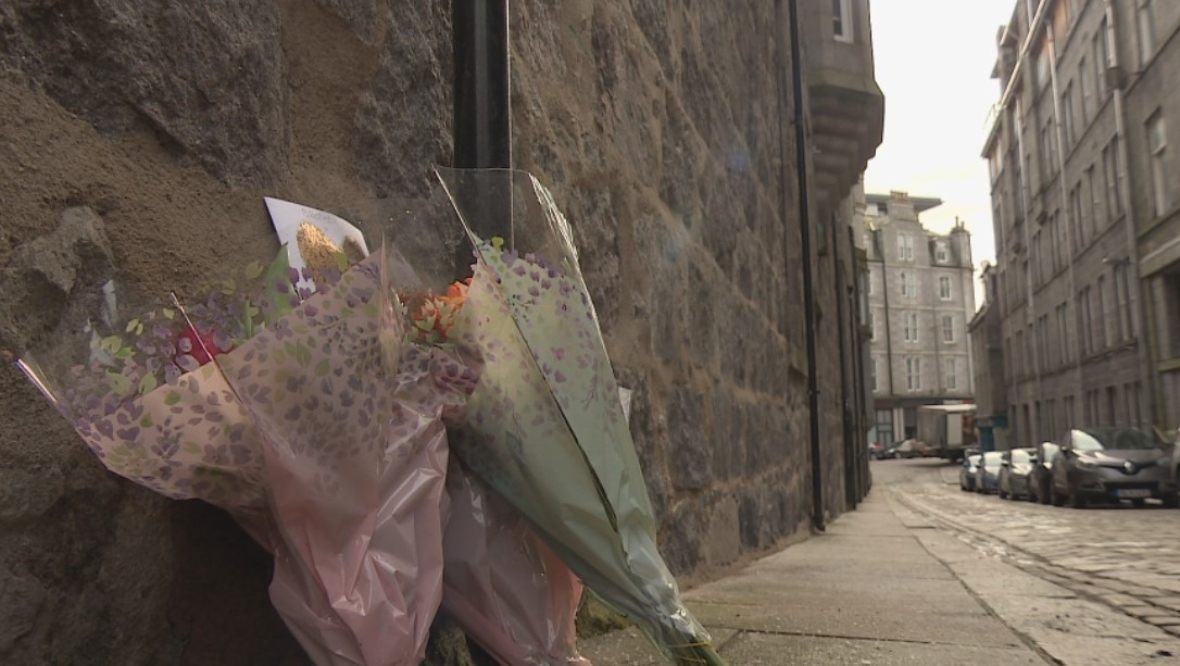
[[139, 137]]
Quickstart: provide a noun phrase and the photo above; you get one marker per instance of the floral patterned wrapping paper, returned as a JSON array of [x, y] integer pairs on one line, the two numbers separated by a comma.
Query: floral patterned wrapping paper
[[546, 429], [322, 433], [355, 456]]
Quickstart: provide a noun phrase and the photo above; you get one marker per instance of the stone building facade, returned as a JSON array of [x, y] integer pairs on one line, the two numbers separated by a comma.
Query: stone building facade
[[987, 357], [921, 297], [1085, 214], [666, 132]]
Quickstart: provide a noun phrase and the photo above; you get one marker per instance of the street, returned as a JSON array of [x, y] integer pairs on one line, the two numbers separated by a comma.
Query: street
[[1107, 578]]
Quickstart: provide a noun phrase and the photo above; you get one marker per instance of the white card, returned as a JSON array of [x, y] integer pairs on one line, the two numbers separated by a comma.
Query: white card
[[288, 217]]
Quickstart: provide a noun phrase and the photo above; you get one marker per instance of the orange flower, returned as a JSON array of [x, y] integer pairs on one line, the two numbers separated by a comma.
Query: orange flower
[[435, 315]]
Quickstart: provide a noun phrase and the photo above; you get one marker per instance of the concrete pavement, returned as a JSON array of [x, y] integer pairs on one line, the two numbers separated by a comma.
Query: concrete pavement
[[869, 591], [1087, 587]]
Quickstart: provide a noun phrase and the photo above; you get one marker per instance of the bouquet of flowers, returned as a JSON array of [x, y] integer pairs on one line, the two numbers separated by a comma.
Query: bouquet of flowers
[[317, 401], [310, 417], [545, 426]]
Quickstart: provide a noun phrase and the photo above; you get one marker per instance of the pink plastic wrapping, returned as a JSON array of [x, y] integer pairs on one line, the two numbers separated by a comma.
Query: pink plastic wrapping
[[322, 434], [507, 590], [355, 458]]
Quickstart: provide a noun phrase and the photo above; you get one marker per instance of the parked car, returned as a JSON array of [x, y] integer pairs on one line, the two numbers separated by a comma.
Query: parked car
[[967, 472], [876, 450], [910, 448], [1016, 466], [987, 475], [1111, 464], [1041, 479], [1176, 456]]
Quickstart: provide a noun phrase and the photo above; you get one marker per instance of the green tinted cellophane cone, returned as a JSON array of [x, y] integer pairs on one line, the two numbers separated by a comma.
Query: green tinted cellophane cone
[[545, 427]]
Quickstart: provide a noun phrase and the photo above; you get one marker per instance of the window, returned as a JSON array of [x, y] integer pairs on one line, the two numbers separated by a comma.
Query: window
[[909, 285], [951, 381], [1090, 213], [1085, 310], [910, 329], [905, 247], [1110, 176], [1146, 25], [873, 326], [1067, 119], [885, 426], [873, 372], [942, 253], [1060, 246], [913, 373], [1101, 59], [948, 328], [1061, 347], [1084, 87], [944, 288], [1100, 323], [1047, 159], [1038, 262], [1166, 289], [1042, 64], [842, 20], [1075, 212], [1111, 400], [1122, 298], [1157, 145]]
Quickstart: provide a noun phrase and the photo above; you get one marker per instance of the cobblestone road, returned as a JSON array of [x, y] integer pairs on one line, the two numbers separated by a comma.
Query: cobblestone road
[[1123, 557]]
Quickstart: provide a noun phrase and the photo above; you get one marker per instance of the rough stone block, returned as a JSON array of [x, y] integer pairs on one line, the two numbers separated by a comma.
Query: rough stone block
[[403, 122], [681, 538], [37, 283], [690, 460], [723, 541], [206, 77], [21, 600]]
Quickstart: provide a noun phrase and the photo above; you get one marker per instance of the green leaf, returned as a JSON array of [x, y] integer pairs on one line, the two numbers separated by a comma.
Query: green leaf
[[124, 353], [254, 269], [169, 313], [139, 329], [112, 343], [278, 302], [322, 368], [172, 398], [119, 383], [148, 384], [341, 262], [131, 325], [146, 421]]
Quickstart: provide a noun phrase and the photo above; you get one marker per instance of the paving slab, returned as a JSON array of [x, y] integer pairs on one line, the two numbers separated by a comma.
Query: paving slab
[[867, 591], [753, 649]]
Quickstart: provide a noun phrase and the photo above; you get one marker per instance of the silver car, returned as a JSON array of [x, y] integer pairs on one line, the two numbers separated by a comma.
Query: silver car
[[968, 471], [987, 475], [1111, 464], [1015, 473]]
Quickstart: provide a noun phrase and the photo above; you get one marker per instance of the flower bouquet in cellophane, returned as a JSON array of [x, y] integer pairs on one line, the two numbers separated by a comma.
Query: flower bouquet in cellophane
[[502, 584], [310, 417], [545, 428]]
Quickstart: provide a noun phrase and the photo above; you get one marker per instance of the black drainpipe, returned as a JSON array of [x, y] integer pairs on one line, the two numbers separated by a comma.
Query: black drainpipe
[[817, 496], [850, 468], [482, 123]]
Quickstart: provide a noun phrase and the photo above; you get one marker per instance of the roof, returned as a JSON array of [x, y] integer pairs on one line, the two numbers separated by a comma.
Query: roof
[[920, 203]]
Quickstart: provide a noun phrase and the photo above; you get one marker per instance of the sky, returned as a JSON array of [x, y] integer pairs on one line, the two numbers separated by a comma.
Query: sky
[[933, 61]]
